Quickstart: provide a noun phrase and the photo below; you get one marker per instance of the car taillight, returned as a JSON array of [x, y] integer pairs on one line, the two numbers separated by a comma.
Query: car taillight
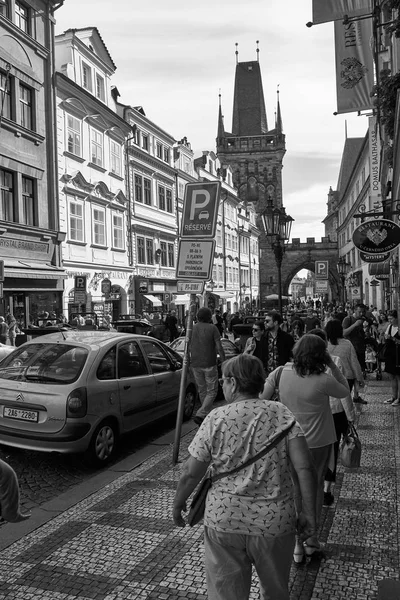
[[77, 403]]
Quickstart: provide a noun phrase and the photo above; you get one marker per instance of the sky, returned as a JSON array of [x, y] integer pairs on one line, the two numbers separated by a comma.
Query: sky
[[174, 57]]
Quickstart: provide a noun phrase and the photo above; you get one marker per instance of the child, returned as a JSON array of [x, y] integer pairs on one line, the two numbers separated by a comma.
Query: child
[[370, 358]]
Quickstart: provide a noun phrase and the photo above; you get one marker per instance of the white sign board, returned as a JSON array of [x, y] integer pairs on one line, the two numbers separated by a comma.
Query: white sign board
[[200, 210], [356, 293], [195, 259], [321, 287], [190, 287], [321, 269], [80, 297]]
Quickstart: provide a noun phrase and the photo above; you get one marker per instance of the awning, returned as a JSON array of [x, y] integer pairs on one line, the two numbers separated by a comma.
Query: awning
[[182, 299], [380, 270], [153, 299], [32, 270], [224, 294]]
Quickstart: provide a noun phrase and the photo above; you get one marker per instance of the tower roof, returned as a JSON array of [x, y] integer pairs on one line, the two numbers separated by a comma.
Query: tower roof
[[249, 116], [221, 128]]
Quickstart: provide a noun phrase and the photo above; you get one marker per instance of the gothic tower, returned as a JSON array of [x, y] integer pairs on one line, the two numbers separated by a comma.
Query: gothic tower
[[255, 155]]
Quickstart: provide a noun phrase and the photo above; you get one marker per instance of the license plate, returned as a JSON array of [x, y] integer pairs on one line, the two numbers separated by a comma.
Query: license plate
[[20, 414]]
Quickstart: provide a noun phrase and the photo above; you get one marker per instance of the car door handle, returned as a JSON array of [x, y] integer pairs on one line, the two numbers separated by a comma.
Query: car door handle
[[126, 387]]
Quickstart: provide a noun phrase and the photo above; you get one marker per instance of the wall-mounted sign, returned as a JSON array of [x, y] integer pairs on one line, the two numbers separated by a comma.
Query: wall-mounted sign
[[143, 286], [190, 287], [321, 269], [376, 237], [374, 258], [321, 286]]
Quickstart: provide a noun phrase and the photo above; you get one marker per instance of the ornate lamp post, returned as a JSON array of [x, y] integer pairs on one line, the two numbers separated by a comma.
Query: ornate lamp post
[[244, 288], [342, 267], [277, 225]]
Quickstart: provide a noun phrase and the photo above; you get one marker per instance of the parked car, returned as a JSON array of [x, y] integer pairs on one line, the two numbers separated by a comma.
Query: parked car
[[5, 350], [79, 391]]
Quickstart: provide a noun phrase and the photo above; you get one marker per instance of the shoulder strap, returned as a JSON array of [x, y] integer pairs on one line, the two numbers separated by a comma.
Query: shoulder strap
[[278, 376], [252, 460]]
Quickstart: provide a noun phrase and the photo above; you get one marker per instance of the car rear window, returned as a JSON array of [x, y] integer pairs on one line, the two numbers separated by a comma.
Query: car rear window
[[44, 363]]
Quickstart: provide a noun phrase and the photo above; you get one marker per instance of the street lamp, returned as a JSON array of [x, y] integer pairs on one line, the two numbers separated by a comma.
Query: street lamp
[[342, 267], [244, 288], [277, 225]]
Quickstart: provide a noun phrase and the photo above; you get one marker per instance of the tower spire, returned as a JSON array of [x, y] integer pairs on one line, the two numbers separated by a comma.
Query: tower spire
[[278, 124], [237, 53], [221, 128], [258, 51]]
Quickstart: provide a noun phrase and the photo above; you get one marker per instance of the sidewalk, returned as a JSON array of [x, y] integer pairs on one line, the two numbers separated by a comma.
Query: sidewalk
[[113, 538]]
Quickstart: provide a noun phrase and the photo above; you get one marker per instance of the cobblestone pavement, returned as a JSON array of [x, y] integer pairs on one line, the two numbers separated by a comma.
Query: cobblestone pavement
[[120, 542]]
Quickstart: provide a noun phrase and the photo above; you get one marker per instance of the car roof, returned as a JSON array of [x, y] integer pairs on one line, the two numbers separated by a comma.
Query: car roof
[[94, 339]]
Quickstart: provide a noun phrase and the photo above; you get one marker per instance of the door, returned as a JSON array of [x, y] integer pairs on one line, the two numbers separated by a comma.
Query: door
[[166, 375], [136, 386]]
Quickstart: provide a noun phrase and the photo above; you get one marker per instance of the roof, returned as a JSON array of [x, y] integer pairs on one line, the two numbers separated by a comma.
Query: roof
[[352, 148], [82, 29], [249, 116], [94, 339]]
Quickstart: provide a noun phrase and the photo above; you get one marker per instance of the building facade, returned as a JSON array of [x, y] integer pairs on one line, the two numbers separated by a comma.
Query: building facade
[[30, 237], [94, 206]]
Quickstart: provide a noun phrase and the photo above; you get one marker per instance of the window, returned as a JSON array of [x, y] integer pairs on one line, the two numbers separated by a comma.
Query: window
[[22, 16], [166, 155], [107, 367], [28, 201], [171, 255], [137, 137], [7, 196], [118, 231], [5, 9], [149, 251], [138, 188], [147, 191], [161, 197], [73, 135], [140, 251], [163, 255], [169, 200], [97, 148], [145, 142], [158, 150], [76, 221], [86, 77], [25, 101], [115, 157], [5, 95], [99, 227], [100, 89], [130, 361]]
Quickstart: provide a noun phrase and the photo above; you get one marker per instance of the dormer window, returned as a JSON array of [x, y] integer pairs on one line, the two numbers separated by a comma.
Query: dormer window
[[100, 89], [86, 77]]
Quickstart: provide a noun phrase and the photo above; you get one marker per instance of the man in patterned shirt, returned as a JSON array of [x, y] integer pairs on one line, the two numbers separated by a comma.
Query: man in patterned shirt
[[280, 343]]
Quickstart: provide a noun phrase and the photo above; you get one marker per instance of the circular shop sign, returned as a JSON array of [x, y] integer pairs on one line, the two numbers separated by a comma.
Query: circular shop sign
[[374, 258], [377, 237]]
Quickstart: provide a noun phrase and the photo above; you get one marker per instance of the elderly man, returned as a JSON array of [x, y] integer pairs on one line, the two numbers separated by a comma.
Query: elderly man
[[205, 344]]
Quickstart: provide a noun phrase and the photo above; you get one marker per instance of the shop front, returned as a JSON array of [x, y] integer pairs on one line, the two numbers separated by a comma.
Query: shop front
[[154, 289]]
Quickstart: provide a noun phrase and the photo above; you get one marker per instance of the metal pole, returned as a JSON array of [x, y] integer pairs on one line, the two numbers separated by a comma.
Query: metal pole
[[182, 388]]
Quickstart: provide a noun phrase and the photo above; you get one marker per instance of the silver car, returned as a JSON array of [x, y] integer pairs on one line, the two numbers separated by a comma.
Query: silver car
[[79, 391]]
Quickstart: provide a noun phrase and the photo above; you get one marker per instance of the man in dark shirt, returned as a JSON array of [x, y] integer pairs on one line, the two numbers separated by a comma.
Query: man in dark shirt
[[280, 343], [204, 346], [311, 321]]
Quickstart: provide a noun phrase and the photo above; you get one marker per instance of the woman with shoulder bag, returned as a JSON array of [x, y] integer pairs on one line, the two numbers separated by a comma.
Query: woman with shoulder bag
[[391, 356], [250, 516]]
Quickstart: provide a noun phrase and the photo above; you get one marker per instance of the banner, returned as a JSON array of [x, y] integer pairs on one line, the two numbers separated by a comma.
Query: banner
[[374, 160], [354, 66], [334, 10]]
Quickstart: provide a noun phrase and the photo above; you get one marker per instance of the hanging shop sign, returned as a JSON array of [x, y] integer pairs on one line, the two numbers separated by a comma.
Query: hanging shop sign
[[355, 293], [106, 287], [374, 258], [377, 237]]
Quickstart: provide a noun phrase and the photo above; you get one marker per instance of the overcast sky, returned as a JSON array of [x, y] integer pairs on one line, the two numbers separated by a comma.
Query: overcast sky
[[173, 57]]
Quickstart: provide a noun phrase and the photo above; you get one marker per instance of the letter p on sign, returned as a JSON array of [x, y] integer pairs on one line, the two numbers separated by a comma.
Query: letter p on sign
[[200, 199], [321, 269]]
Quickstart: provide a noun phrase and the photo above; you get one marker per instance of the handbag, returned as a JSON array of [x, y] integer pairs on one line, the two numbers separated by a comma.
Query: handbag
[[351, 448], [275, 397], [198, 504]]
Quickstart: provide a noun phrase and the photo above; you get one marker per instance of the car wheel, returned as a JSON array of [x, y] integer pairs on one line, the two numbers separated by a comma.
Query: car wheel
[[103, 444], [189, 404]]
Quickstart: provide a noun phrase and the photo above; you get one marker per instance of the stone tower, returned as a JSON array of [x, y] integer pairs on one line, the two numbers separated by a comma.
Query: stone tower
[[255, 154]]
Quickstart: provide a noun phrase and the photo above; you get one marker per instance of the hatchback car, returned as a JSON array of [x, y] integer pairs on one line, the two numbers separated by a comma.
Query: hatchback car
[[79, 391]]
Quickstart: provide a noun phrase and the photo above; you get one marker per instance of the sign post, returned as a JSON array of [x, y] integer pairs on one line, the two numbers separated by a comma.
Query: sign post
[[195, 259]]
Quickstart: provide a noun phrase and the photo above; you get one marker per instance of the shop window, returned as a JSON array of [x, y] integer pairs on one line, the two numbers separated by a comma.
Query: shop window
[[76, 221], [28, 201], [115, 157], [74, 135], [161, 197], [147, 191], [96, 150], [7, 195], [169, 200], [118, 232], [138, 188], [171, 255], [99, 229], [141, 258], [26, 107], [163, 255]]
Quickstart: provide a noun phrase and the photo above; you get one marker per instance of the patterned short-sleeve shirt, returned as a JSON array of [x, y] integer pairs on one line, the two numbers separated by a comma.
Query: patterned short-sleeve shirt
[[258, 500]]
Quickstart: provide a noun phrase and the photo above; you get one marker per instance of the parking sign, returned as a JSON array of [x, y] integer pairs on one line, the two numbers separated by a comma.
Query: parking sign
[[200, 210], [321, 269]]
